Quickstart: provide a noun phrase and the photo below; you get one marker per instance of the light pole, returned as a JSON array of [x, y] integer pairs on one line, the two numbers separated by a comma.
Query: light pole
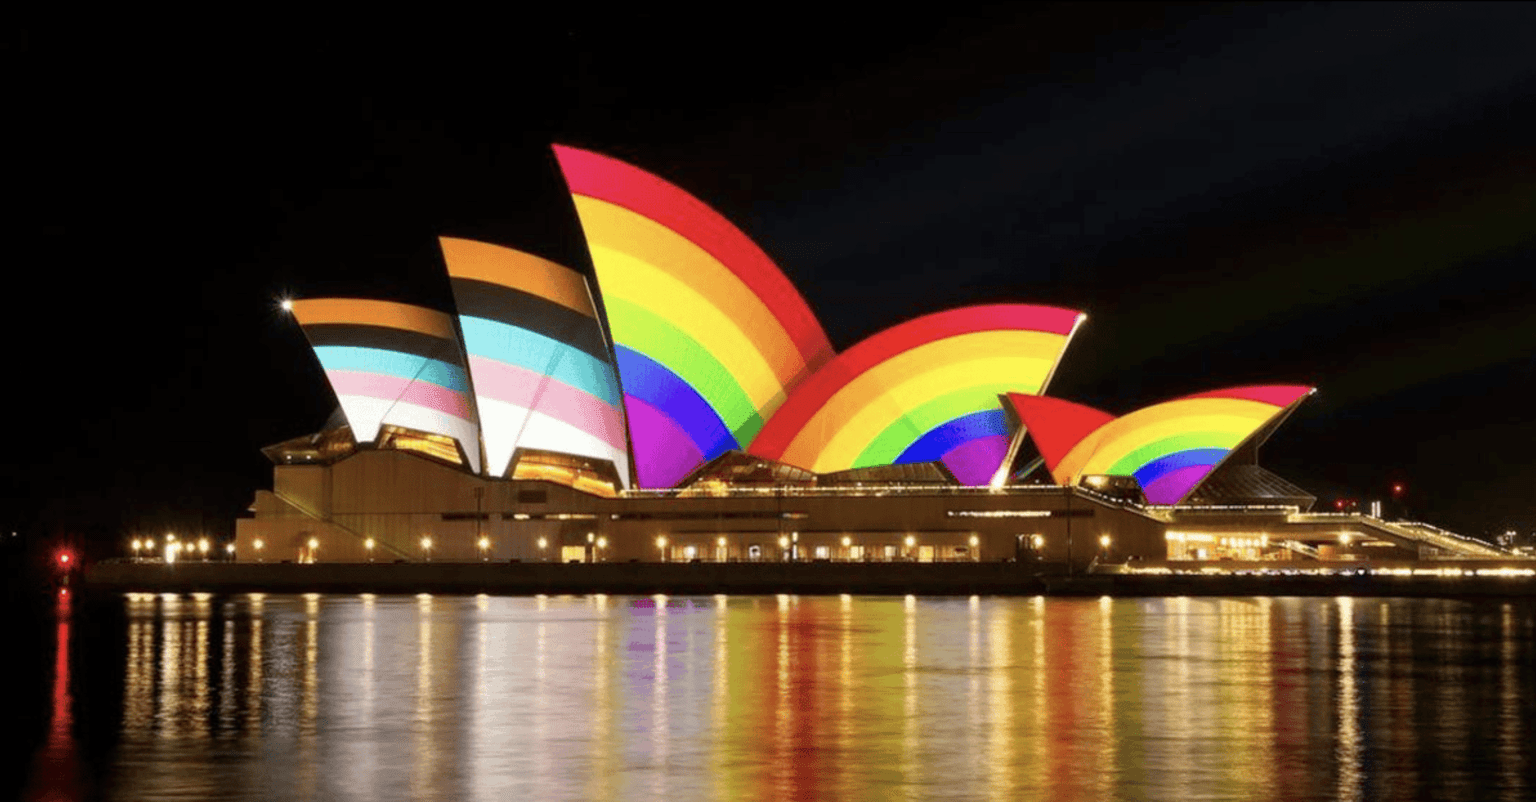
[[368, 547], [229, 552], [661, 543], [602, 543], [975, 549], [426, 546], [256, 545], [314, 543], [485, 546], [543, 544], [137, 545]]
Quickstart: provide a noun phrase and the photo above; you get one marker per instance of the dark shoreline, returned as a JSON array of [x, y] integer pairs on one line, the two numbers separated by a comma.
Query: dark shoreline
[[939, 579]]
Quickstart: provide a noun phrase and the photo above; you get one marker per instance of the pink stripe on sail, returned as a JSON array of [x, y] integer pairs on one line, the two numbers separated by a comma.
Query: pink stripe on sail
[[522, 387], [391, 388]]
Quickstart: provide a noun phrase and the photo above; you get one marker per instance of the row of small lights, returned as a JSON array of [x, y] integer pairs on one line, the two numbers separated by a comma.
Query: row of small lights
[[174, 547]]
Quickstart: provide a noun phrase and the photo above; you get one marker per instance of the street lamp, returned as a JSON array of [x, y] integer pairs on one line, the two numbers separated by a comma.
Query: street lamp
[[314, 543], [1104, 542], [256, 545], [202, 548], [137, 545], [602, 543], [229, 551], [975, 548], [426, 546], [543, 544], [910, 541], [661, 543], [485, 545], [368, 546]]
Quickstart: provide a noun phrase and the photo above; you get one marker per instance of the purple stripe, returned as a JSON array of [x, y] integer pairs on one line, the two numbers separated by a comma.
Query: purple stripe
[[975, 461], [664, 453], [1173, 485]]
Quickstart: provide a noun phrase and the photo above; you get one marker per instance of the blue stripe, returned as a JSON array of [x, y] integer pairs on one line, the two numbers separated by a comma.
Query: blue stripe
[[946, 436], [516, 346], [647, 380], [1153, 470], [392, 363]]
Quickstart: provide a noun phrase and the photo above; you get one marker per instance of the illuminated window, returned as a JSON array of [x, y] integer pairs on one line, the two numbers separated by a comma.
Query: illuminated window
[[823, 553]]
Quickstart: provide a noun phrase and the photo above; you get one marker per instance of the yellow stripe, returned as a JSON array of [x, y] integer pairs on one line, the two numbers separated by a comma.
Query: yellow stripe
[[362, 312], [642, 284], [1150, 424], [619, 229], [506, 267]]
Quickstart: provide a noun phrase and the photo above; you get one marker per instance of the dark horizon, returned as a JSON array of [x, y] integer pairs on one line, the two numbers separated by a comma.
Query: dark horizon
[[1342, 196]]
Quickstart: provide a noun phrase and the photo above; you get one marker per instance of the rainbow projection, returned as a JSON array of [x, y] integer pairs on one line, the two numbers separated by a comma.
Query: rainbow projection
[[394, 364], [1169, 447], [542, 374], [921, 391], [709, 335]]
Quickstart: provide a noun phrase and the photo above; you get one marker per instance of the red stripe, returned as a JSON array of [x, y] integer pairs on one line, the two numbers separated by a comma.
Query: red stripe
[[1055, 425], [625, 185], [1281, 395], [813, 393]]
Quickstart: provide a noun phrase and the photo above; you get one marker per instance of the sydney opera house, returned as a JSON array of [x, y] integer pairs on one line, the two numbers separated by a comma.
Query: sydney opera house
[[679, 401]]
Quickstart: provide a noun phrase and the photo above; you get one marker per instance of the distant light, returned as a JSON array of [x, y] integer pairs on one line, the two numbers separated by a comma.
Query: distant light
[[1038, 540], [602, 542], [258, 544], [426, 542], [1104, 541], [720, 542], [368, 544], [314, 543], [202, 545], [137, 544], [783, 542], [229, 547], [911, 541], [590, 537], [286, 304], [847, 541], [64, 558], [485, 543], [543, 542], [975, 541], [661, 541]]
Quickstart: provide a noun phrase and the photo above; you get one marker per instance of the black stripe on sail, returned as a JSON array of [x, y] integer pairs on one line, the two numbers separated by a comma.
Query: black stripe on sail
[[388, 339], [531, 312]]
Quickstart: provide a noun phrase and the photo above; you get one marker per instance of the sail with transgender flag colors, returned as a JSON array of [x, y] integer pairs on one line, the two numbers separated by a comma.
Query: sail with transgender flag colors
[[539, 360], [1170, 447], [393, 364]]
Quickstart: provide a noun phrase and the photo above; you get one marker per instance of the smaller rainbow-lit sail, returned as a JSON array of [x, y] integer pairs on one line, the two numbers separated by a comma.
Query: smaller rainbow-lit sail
[[542, 371], [922, 391], [395, 364], [1170, 447]]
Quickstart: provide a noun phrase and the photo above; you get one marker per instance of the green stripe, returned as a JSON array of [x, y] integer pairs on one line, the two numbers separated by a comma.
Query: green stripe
[[906, 430], [639, 329], [1128, 464]]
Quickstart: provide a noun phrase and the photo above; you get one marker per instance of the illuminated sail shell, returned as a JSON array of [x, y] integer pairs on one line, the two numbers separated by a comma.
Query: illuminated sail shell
[[921, 391], [393, 364], [709, 335], [1170, 447], [542, 371]]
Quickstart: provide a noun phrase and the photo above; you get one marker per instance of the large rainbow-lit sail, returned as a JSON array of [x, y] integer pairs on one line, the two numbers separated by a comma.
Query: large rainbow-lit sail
[[1169, 447], [395, 364], [710, 336], [543, 377], [921, 391]]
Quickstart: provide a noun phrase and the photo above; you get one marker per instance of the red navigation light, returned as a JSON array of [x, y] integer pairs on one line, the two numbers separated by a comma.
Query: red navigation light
[[1339, 504], [65, 558], [1397, 489]]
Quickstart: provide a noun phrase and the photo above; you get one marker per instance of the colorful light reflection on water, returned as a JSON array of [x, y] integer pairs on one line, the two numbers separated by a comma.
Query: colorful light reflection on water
[[452, 697]]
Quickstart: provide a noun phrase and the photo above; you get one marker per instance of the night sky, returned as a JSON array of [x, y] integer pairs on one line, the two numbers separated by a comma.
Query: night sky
[[1343, 196]]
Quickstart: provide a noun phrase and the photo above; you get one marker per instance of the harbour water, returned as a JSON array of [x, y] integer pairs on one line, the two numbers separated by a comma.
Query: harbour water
[[254, 697]]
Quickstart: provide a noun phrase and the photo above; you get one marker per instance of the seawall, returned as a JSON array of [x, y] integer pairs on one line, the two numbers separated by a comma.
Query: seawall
[[936, 579]]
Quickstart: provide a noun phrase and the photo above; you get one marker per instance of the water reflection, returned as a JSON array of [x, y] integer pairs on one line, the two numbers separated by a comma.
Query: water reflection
[[669, 698]]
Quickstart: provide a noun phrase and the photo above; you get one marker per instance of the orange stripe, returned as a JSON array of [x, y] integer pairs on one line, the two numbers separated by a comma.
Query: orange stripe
[[363, 312], [506, 267]]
